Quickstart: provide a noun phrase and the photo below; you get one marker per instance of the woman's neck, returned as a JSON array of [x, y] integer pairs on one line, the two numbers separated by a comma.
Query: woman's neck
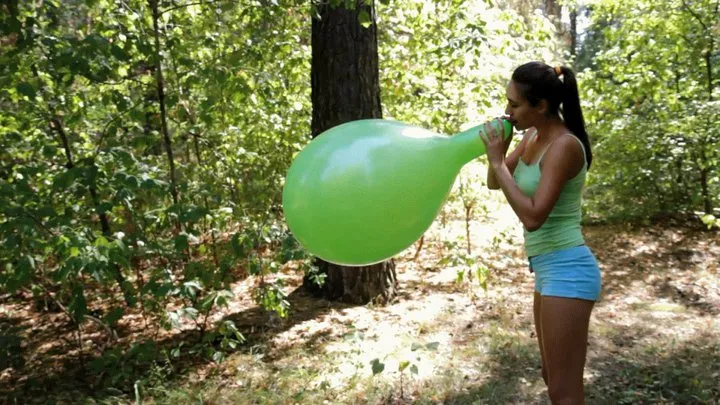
[[550, 129]]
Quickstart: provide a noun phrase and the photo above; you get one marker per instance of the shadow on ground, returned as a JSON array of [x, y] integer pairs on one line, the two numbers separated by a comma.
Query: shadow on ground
[[684, 373], [71, 379], [513, 366]]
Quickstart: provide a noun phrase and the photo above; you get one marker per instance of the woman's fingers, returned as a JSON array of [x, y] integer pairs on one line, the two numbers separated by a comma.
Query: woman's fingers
[[489, 130]]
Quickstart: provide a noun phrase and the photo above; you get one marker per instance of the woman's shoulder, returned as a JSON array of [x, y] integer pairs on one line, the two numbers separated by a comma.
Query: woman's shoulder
[[567, 150], [567, 142]]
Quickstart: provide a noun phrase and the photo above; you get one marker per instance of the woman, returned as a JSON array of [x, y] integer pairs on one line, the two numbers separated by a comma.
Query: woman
[[542, 180]]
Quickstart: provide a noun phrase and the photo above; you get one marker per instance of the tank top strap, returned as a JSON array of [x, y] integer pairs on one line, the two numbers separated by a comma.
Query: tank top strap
[[542, 154], [533, 135], [582, 146]]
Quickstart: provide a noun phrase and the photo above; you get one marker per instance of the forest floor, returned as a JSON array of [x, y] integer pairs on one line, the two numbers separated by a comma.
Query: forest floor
[[654, 336]]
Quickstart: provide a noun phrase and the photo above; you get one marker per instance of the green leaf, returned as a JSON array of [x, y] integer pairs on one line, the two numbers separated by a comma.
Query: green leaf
[[46, 211], [113, 316], [23, 273], [49, 151], [64, 179], [78, 305], [377, 366], [190, 312], [104, 207], [101, 242], [207, 303], [403, 365], [162, 290], [181, 242], [364, 19], [26, 89], [218, 356], [190, 288], [239, 244], [432, 345], [119, 53]]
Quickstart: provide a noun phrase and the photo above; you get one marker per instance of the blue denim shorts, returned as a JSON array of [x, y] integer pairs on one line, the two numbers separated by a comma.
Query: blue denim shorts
[[568, 273]]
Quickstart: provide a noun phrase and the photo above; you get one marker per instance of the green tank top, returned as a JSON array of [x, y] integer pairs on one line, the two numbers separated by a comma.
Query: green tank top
[[561, 230]]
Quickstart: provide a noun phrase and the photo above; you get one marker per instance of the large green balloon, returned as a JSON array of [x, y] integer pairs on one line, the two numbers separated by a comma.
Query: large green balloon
[[364, 191]]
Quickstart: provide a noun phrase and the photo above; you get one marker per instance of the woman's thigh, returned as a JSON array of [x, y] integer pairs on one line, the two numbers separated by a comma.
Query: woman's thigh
[[565, 323]]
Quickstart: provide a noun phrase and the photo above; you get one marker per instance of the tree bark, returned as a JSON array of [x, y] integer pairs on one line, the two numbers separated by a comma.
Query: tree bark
[[573, 32], [346, 87], [553, 9]]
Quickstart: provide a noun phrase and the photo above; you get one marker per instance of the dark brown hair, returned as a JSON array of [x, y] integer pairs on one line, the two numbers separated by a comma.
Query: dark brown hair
[[538, 81]]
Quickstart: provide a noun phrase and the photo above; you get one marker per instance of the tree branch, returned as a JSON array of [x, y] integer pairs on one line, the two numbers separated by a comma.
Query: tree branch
[[697, 17], [107, 125], [198, 3], [39, 222], [161, 100]]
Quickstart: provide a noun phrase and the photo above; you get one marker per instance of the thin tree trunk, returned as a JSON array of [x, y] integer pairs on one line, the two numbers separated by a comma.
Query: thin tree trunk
[[419, 248], [573, 32], [161, 100], [553, 10], [709, 69], [56, 124], [707, 199], [468, 213]]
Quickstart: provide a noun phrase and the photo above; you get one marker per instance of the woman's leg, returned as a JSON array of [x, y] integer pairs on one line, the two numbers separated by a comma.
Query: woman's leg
[[564, 323], [537, 305]]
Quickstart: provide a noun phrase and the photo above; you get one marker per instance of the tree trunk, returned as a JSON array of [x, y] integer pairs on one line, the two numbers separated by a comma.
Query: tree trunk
[[161, 100], [573, 32], [553, 9], [707, 199], [57, 125], [346, 87]]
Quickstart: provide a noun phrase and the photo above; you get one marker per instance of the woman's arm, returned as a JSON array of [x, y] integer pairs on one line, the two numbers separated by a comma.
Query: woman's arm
[[562, 162], [512, 160]]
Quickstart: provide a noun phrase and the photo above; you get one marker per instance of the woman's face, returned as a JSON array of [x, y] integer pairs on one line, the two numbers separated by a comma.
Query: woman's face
[[520, 112]]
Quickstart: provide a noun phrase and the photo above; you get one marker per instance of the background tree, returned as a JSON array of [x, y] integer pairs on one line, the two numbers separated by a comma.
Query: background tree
[[651, 88], [346, 87]]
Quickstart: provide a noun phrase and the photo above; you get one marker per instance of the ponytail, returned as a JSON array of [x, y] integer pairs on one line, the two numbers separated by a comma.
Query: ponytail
[[572, 112], [558, 86]]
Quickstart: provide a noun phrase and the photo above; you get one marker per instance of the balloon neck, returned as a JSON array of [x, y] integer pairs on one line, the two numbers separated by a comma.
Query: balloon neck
[[468, 142]]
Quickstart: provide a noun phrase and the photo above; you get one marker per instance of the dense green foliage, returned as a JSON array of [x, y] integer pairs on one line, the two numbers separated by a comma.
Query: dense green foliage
[[651, 74], [143, 150], [445, 64]]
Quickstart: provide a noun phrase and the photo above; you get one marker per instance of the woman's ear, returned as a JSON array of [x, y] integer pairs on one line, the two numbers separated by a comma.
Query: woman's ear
[[543, 107]]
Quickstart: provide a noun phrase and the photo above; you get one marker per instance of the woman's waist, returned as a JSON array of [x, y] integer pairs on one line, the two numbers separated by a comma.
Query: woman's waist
[[553, 236]]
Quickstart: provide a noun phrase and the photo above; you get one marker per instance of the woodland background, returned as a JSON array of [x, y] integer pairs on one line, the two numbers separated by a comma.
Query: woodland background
[[143, 250]]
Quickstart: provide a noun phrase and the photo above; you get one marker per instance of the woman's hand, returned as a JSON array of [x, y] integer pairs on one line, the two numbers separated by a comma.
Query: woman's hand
[[494, 142]]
